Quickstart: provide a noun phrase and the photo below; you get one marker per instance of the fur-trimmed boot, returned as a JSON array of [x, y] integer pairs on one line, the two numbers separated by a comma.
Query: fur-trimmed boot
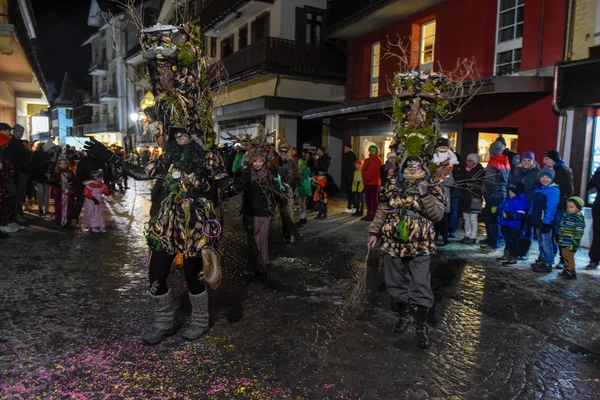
[[199, 319], [164, 319], [421, 328], [403, 318]]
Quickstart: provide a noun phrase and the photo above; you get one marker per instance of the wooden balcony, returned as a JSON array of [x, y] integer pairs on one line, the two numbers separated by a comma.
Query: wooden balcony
[[286, 56]]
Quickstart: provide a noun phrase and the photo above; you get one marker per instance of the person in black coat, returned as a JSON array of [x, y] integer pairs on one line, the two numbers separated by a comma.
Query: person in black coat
[[594, 185], [348, 174], [40, 164], [470, 201]]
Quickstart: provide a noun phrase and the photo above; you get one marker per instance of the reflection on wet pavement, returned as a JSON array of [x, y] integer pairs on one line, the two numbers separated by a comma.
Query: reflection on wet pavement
[[73, 306]]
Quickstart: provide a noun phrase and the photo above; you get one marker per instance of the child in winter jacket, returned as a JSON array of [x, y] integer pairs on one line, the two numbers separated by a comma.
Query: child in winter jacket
[[543, 213], [95, 192], [320, 196], [511, 213], [357, 189], [570, 231]]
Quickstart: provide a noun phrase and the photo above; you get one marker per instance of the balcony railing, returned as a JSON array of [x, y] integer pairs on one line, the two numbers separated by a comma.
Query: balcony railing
[[281, 54], [216, 10], [341, 11]]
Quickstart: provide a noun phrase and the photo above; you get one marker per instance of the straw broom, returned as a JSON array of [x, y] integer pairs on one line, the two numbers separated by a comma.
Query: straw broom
[[359, 292]]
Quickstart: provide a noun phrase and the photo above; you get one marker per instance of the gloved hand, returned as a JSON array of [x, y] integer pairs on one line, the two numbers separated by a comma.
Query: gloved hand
[[97, 149], [95, 200], [546, 228]]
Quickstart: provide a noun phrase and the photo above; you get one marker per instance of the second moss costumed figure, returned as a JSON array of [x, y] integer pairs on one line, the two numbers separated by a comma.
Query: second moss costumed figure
[[412, 200]]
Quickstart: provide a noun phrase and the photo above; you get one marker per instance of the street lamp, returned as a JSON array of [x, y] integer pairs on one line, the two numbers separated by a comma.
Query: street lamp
[[134, 117]]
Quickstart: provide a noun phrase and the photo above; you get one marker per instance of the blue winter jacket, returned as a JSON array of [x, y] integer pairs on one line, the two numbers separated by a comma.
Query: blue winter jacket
[[545, 204], [512, 211]]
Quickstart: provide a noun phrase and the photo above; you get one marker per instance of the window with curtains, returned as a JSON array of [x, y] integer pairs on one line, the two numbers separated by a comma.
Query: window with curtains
[[427, 48]]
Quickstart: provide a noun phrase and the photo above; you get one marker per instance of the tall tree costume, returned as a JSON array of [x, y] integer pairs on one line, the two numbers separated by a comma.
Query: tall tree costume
[[411, 201], [191, 176]]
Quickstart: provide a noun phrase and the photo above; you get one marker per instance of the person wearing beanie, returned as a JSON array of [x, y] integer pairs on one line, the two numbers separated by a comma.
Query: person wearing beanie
[[526, 173], [471, 201], [261, 193], [496, 180], [564, 179], [569, 234], [512, 215], [543, 214], [371, 175], [594, 187], [444, 156]]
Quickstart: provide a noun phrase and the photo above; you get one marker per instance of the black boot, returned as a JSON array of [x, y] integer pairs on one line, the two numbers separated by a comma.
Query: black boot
[[421, 328], [505, 256], [403, 318]]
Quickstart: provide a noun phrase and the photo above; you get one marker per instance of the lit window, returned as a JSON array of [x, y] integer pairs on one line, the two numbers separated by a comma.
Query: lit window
[[510, 36], [427, 45], [375, 58]]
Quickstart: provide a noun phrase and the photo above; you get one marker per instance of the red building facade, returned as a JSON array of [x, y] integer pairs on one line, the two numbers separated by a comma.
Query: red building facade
[[515, 44]]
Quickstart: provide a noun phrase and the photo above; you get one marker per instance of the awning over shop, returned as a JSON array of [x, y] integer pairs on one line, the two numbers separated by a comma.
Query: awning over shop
[[500, 85]]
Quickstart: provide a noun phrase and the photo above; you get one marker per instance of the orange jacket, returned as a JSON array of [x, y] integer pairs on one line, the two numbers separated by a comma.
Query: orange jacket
[[371, 170]]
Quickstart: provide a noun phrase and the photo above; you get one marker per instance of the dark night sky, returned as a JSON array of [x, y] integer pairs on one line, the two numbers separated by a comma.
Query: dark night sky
[[61, 30]]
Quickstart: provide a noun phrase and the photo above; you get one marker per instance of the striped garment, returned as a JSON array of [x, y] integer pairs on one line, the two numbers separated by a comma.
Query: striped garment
[[570, 230]]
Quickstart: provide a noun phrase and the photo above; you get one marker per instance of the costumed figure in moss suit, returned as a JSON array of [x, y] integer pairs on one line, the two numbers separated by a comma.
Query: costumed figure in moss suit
[[190, 174], [411, 201]]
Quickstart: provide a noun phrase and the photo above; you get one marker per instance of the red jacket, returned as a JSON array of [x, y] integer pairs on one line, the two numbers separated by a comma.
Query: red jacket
[[371, 170]]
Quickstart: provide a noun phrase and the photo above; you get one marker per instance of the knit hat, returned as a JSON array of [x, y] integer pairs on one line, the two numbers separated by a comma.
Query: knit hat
[[578, 201], [497, 148], [549, 172], [5, 127], [501, 140], [374, 148], [474, 157], [443, 142], [553, 155], [528, 155], [517, 188]]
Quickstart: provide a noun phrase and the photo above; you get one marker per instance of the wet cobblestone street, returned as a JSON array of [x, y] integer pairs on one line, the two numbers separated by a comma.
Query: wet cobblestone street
[[73, 306]]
